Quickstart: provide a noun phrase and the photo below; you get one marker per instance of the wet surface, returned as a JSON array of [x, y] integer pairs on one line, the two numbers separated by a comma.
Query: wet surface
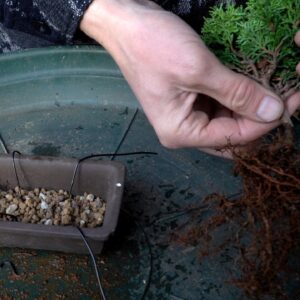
[[77, 104], [157, 187]]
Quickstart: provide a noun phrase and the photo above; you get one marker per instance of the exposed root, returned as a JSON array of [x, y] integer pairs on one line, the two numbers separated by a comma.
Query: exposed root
[[265, 219]]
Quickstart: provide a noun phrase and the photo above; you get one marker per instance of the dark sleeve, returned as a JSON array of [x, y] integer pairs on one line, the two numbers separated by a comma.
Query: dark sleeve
[[193, 11], [55, 21], [38, 23]]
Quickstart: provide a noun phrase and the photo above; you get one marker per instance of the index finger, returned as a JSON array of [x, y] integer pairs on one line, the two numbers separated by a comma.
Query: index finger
[[228, 127]]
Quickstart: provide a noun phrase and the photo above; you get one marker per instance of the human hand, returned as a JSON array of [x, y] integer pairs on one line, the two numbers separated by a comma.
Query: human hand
[[297, 41], [190, 98]]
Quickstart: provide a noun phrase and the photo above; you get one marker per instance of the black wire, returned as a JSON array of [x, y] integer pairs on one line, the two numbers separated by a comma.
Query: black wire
[[3, 145], [94, 262], [102, 155], [79, 229], [113, 155], [141, 227], [10, 264], [14, 166], [125, 134], [81, 232]]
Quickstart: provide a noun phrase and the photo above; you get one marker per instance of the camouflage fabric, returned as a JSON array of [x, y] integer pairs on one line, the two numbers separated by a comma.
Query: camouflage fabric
[[34, 23], [37, 23]]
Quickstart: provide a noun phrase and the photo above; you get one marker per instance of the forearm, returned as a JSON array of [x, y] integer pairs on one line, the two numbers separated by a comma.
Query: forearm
[[168, 66], [118, 26], [97, 21]]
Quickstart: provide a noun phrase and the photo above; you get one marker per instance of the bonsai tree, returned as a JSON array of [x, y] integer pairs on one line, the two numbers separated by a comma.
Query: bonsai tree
[[258, 40]]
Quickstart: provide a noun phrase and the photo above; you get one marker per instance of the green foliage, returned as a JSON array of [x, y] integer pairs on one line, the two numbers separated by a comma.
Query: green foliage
[[262, 31]]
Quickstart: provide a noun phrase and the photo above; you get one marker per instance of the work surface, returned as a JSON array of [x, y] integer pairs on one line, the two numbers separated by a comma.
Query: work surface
[[142, 254]]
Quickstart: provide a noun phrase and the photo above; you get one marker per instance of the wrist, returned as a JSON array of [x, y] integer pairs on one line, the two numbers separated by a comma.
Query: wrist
[[109, 21], [98, 20]]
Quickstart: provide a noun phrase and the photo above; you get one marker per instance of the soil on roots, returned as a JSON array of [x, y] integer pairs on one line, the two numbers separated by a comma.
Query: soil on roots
[[265, 218]]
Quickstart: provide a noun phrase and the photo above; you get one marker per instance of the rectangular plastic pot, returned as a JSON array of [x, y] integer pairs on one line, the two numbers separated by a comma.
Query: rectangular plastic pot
[[101, 178]]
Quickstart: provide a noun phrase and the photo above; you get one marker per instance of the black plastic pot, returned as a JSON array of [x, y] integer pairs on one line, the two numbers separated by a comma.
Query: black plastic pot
[[101, 178]]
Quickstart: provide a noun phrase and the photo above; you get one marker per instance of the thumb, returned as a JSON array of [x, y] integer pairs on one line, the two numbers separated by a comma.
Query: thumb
[[245, 96]]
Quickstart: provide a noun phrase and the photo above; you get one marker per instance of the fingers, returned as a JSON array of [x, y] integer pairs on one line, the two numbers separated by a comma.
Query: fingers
[[244, 96], [220, 153], [200, 132], [227, 152], [297, 41], [237, 92], [298, 68], [297, 38], [292, 104]]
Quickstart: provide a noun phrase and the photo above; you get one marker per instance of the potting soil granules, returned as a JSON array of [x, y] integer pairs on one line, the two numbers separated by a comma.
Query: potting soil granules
[[51, 207]]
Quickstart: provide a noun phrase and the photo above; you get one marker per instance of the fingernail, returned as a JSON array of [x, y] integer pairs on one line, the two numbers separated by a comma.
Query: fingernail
[[270, 109]]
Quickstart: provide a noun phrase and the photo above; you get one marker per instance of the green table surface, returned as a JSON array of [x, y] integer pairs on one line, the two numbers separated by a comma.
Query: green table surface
[[72, 102]]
